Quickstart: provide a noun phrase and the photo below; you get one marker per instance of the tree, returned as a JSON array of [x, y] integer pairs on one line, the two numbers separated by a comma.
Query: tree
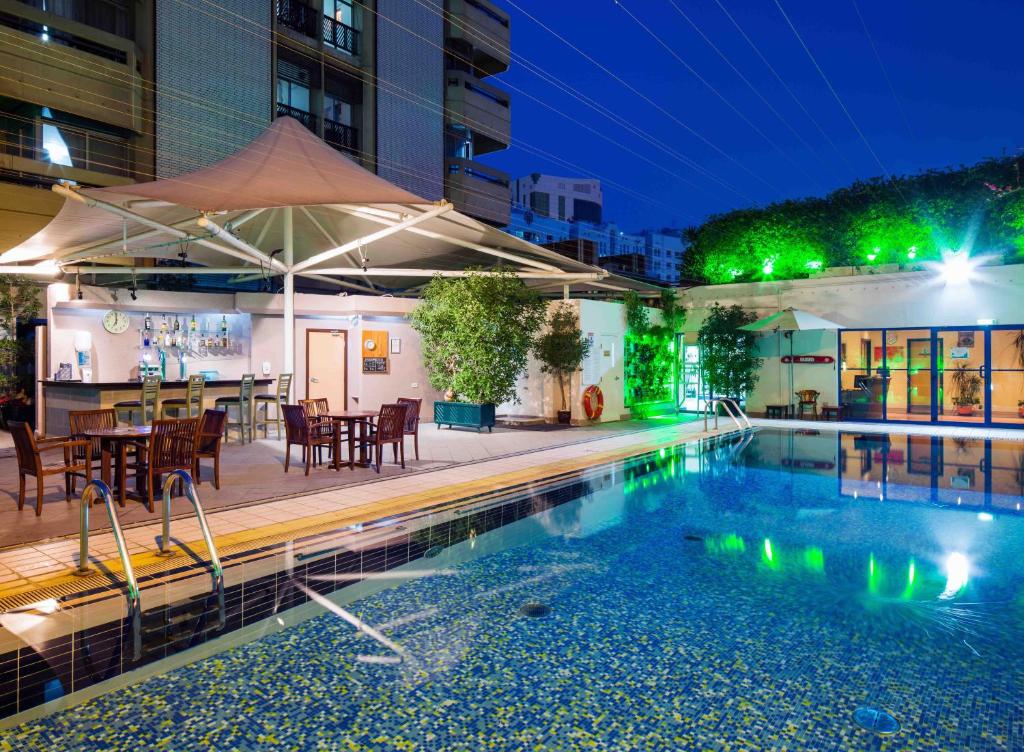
[[562, 348], [728, 365], [19, 303], [649, 359], [477, 333]]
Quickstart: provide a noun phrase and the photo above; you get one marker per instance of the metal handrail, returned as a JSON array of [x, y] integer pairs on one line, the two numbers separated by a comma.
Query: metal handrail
[[732, 409], [98, 488], [217, 570]]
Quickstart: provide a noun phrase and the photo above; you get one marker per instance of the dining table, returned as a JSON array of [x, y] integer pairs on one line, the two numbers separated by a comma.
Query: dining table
[[117, 439], [352, 419]]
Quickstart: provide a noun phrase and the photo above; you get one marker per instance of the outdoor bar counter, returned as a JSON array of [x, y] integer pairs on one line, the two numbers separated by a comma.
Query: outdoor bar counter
[[61, 397]]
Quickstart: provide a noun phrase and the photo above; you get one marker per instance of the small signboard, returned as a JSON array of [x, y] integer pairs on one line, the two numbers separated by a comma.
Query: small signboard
[[808, 359], [375, 365]]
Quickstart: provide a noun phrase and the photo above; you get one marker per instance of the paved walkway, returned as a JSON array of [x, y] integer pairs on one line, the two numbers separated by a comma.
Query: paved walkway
[[42, 564], [254, 473]]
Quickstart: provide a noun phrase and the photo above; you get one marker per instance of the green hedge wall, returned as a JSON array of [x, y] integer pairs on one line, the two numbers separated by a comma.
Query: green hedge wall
[[906, 220]]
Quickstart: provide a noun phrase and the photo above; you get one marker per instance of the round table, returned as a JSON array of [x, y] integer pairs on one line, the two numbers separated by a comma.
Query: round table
[[350, 418], [120, 436]]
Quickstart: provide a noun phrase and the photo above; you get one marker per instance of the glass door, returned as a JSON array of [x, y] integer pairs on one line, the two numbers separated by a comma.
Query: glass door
[[908, 362], [961, 375], [1007, 367]]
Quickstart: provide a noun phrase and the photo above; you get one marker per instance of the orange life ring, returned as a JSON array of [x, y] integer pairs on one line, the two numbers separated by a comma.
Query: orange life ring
[[593, 401]]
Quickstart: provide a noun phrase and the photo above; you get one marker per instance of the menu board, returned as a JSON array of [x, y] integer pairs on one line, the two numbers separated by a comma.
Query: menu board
[[375, 365]]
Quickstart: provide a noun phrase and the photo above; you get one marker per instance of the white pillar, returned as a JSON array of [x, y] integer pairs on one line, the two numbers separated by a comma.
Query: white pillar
[[289, 293], [565, 292]]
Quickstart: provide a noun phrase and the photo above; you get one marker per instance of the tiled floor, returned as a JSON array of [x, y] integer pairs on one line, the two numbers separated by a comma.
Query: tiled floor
[[513, 456]]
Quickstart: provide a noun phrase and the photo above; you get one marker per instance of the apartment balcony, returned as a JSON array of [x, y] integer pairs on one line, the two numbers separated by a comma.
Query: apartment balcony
[[482, 29], [342, 137], [339, 36], [482, 108], [478, 190], [68, 66], [299, 17]]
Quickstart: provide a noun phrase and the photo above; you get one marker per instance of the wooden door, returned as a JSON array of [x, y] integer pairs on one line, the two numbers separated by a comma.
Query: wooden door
[[327, 366]]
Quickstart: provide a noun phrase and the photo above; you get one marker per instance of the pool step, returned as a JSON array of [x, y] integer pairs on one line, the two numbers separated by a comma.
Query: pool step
[[177, 626]]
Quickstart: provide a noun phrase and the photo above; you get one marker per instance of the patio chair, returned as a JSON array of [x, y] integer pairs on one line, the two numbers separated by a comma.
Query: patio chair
[[284, 390], [208, 440], [243, 402], [81, 421], [412, 420], [390, 429], [193, 399], [807, 399], [149, 398], [171, 447], [298, 430], [315, 409], [30, 461]]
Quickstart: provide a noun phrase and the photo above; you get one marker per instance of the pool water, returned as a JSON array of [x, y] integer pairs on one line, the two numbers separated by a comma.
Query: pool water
[[751, 593]]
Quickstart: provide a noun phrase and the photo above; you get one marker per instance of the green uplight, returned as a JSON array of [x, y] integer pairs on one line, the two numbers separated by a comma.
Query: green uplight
[[912, 252], [769, 267], [814, 559], [768, 550], [911, 572], [814, 264], [874, 253], [874, 575], [727, 543]]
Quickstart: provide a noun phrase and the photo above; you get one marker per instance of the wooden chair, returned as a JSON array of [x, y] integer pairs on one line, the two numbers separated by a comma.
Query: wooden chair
[[412, 420], [149, 398], [30, 461], [211, 432], [244, 404], [193, 399], [298, 430], [172, 446], [390, 429], [81, 421], [807, 399], [284, 390]]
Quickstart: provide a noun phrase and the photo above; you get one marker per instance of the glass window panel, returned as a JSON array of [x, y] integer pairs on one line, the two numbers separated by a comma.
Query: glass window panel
[[908, 358], [862, 386], [1007, 391], [960, 358], [962, 480]]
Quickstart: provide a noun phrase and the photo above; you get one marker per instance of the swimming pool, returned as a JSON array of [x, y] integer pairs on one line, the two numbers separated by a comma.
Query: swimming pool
[[746, 593]]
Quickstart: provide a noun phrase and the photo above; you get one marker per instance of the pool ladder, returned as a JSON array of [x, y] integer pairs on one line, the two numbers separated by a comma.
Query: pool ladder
[[732, 409], [97, 488]]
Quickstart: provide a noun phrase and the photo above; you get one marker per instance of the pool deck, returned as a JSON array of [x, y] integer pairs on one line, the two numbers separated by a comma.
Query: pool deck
[[326, 500], [259, 502]]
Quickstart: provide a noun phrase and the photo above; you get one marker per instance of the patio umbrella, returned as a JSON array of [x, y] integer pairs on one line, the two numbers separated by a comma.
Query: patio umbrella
[[790, 320]]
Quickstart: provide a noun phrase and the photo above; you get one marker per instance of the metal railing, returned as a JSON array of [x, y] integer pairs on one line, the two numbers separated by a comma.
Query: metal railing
[[340, 36], [341, 136], [732, 409], [98, 488], [216, 570], [308, 119], [298, 16]]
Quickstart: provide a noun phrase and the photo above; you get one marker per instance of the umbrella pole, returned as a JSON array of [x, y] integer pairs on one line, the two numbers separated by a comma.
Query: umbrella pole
[[792, 384], [289, 293]]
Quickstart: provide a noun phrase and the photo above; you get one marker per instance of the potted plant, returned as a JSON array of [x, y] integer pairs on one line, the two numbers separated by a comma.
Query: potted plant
[[561, 350], [19, 303], [729, 366], [477, 332], [966, 390]]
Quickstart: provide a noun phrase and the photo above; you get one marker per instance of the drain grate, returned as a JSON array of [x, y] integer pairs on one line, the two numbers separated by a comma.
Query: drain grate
[[876, 721], [534, 610]]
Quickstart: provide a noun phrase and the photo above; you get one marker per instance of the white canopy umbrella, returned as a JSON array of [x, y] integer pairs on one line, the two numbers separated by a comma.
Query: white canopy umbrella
[[285, 205], [790, 320]]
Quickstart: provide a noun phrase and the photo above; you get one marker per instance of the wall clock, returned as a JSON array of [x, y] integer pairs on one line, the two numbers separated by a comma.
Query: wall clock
[[115, 322], [370, 344]]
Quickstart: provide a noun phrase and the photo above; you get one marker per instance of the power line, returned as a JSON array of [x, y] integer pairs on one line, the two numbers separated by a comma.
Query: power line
[[668, 48], [786, 86], [881, 65]]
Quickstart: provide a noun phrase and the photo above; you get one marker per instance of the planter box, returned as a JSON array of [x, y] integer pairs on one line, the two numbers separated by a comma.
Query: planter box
[[470, 414]]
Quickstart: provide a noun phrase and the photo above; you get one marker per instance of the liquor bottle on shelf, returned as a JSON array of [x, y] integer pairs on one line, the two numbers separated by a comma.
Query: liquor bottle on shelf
[[145, 337], [192, 324], [177, 324], [224, 331], [148, 324], [163, 323]]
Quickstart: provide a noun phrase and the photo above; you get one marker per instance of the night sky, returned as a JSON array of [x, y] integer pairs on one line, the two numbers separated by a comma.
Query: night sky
[[955, 69]]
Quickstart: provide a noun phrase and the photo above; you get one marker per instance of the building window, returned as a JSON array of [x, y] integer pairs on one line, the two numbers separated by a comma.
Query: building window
[[540, 202], [337, 109], [561, 207], [341, 11], [293, 94]]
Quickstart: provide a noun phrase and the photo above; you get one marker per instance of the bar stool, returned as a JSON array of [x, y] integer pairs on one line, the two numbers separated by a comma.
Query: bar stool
[[244, 404], [149, 397], [284, 389], [193, 399]]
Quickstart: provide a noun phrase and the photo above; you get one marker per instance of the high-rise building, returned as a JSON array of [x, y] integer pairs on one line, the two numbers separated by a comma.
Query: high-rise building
[[105, 92]]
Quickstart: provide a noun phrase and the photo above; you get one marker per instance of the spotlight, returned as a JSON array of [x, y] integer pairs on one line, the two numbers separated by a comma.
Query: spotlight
[[874, 254], [912, 252], [769, 266], [957, 267]]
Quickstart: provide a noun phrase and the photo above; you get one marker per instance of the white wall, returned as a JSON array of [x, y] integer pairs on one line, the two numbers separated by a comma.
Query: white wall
[[902, 299]]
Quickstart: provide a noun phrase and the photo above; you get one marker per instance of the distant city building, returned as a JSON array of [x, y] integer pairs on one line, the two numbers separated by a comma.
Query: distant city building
[[572, 199], [652, 254]]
